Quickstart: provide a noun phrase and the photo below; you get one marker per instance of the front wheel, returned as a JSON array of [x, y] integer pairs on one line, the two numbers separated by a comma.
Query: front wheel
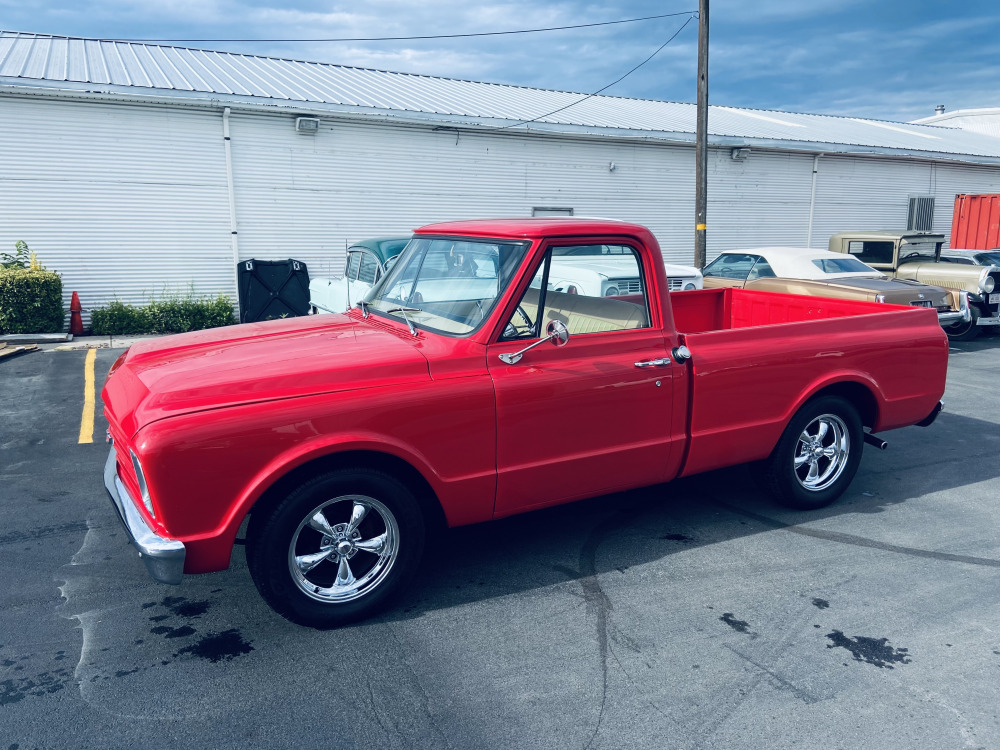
[[817, 456], [337, 549], [964, 331]]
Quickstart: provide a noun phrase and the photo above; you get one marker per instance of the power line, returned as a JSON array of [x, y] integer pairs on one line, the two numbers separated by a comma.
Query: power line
[[690, 13], [605, 88]]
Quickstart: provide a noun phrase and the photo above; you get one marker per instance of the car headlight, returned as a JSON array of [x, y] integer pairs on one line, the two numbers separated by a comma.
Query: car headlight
[[611, 291], [988, 284], [143, 488], [689, 286]]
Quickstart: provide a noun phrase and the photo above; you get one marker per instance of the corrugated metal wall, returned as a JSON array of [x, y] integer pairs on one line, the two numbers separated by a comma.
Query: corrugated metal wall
[[131, 202], [127, 202]]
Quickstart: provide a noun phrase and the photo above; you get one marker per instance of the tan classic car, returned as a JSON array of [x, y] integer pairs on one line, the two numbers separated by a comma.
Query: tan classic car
[[917, 256], [820, 273]]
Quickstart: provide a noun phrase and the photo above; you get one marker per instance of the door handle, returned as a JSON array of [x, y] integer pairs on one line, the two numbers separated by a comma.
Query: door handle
[[654, 362]]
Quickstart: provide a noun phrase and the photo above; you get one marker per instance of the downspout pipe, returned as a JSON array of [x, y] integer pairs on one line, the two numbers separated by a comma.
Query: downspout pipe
[[232, 204], [812, 199]]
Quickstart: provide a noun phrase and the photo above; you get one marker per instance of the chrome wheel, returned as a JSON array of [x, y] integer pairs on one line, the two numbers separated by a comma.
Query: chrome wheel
[[822, 452], [343, 549]]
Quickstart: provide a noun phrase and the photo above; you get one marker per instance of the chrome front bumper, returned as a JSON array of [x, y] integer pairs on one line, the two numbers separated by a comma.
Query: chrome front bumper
[[961, 315], [164, 557]]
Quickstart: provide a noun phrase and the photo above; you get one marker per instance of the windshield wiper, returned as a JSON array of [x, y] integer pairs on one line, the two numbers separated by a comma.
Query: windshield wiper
[[405, 310], [364, 308]]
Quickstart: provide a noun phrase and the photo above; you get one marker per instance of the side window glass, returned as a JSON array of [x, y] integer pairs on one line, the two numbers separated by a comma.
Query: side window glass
[[353, 263], [588, 294], [369, 267], [761, 270]]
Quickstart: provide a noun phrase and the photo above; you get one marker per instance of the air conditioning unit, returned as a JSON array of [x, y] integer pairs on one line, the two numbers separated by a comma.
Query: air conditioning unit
[[308, 125]]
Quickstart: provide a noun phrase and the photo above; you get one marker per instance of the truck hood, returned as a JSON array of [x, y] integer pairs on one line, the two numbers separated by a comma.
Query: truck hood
[[254, 362]]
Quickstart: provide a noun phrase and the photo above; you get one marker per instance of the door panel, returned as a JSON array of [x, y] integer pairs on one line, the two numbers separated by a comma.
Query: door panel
[[581, 420]]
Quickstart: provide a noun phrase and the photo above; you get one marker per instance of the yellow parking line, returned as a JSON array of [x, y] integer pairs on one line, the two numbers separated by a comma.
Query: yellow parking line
[[87, 420]]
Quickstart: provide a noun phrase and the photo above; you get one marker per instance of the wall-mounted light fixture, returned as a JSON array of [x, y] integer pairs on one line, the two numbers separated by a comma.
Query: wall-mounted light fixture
[[307, 125], [740, 154]]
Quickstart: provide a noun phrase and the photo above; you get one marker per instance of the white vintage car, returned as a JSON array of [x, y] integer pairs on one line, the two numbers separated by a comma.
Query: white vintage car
[[592, 270], [367, 262], [609, 271]]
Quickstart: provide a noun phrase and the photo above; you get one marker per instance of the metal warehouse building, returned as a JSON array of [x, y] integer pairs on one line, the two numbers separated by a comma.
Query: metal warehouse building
[[137, 170]]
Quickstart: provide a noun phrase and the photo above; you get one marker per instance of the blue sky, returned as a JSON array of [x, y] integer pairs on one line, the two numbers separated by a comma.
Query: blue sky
[[889, 60]]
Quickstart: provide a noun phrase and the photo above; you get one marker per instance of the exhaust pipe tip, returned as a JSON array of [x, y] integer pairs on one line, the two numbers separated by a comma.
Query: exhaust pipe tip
[[876, 441]]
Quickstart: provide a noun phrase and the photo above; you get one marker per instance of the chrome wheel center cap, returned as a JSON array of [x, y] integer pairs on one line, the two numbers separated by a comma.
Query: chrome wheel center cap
[[344, 547]]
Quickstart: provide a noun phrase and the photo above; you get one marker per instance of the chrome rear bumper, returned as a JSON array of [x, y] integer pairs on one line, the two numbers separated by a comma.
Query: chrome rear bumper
[[164, 558]]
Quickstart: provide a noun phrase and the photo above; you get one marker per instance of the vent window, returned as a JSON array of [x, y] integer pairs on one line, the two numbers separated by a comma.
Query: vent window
[[920, 216]]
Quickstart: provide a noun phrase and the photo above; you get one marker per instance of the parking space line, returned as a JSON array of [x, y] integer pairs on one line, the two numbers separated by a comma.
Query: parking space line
[[87, 419]]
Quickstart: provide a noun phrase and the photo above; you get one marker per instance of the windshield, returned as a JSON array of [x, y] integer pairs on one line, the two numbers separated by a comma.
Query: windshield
[[917, 251], [989, 259], [730, 266], [447, 285], [842, 265]]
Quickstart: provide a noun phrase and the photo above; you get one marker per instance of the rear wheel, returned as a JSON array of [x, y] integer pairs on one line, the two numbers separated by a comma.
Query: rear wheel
[[338, 548], [965, 331], [817, 456]]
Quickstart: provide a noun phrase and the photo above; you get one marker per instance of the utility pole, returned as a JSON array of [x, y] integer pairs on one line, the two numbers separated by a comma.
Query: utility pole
[[701, 139]]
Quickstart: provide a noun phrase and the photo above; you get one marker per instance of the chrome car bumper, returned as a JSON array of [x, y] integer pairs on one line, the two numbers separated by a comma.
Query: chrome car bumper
[[961, 315], [164, 558]]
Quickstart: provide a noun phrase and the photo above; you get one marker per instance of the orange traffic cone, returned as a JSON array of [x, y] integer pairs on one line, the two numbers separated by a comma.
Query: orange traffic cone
[[75, 319]]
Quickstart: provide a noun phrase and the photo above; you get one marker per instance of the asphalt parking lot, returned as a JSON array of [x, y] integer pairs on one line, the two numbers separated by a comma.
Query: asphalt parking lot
[[690, 615]]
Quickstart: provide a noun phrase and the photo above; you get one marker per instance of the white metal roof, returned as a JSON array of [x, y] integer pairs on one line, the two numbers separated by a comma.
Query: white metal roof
[[132, 70]]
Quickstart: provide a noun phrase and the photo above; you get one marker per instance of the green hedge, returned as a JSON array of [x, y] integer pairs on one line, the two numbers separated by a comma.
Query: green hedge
[[30, 301], [162, 316]]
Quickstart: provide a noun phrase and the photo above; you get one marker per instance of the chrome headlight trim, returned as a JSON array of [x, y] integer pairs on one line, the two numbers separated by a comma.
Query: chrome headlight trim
[[143, 488], [986, 282]]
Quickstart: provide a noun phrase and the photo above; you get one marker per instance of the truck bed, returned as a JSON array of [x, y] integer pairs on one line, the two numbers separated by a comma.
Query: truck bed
[[725, 309], [745, 343]]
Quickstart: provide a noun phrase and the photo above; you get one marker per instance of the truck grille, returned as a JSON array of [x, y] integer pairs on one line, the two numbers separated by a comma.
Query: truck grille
[[676, 285], [628, 286]]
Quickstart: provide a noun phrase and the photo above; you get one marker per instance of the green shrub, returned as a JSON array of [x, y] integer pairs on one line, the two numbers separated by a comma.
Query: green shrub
[[162, 316], [30, 301]]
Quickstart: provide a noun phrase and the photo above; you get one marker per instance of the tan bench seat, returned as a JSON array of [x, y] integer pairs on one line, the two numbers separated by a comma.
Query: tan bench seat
[[583, 314]]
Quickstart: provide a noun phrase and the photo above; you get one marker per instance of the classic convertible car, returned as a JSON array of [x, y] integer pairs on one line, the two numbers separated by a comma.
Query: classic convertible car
[[821, 273], [917, 256]]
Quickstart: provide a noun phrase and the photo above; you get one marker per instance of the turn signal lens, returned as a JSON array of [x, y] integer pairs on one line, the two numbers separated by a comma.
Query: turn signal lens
[[118, 363], [143, 489]]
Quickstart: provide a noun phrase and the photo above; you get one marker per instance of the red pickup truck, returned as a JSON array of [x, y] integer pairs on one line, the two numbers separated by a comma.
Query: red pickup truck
[[347, 438]]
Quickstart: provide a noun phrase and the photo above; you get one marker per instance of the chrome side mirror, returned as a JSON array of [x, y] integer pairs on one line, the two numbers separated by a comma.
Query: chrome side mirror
[[558, 334]]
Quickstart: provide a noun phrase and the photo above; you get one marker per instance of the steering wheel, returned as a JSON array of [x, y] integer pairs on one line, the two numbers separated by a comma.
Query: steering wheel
[[911, 255], [512, 331], [524, 316]]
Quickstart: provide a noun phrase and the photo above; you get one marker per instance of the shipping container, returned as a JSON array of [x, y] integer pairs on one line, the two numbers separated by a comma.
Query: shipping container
[[975, 225]]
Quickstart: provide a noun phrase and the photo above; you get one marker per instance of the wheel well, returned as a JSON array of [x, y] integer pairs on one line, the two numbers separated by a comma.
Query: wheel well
[[859, 395], [397, 467]]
